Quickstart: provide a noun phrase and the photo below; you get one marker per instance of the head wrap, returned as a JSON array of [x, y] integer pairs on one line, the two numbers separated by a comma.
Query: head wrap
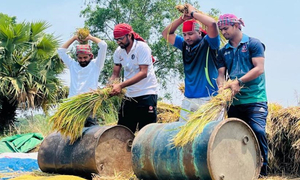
[[230, 19], [84, 49], [192, 25], [124, 29]]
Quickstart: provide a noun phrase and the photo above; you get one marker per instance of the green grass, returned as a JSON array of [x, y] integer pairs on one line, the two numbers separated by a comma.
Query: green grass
[[30, 124]]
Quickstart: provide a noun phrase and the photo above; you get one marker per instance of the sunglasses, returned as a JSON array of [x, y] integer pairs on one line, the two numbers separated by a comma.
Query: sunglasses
[[121, 38]]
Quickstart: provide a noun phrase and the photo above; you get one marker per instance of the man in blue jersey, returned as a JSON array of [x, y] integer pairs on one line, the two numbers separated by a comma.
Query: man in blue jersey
[[243, 60], [199, 49]]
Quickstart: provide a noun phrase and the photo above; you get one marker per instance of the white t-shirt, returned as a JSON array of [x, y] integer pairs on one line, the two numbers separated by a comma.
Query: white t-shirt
[[84, 79], [140, 54]]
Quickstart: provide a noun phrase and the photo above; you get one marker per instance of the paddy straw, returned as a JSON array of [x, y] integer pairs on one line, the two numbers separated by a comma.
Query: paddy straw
[[70, 118], [206, 113], [167, 113], [82, 34]]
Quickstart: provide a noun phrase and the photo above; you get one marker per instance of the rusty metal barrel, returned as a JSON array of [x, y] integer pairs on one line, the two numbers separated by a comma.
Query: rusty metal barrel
[[102, 150], [225, 150]]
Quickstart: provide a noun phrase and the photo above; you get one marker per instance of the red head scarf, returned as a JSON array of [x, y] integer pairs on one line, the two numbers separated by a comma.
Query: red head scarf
[[192, 25], [84, 49], [124, 29]]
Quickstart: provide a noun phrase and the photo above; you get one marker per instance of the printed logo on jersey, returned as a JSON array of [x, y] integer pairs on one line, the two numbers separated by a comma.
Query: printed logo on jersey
[[150, 110], [244, 48], [226, 53], [132, 56]]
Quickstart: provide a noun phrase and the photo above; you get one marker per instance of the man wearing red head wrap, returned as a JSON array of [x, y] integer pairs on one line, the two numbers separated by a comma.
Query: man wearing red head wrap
[[138, 108], [199, 54], [242, 59], [85, 72]]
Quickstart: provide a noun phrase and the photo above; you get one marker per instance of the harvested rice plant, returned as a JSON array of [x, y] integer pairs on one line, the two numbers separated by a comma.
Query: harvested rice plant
[[71, 115]]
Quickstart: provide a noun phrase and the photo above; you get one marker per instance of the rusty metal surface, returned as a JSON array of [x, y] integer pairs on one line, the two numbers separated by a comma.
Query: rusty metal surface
[[58, 156], [215, 154], [115, 143], [233, 151]]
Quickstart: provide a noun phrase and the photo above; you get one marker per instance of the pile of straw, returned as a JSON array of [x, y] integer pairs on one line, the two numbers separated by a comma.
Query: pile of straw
[[70, 118], [283, 133], [205, 114], [167, 113]]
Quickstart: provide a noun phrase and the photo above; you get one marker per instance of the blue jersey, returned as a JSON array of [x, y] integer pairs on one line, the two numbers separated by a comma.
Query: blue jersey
[[238, 62], [199, 66]]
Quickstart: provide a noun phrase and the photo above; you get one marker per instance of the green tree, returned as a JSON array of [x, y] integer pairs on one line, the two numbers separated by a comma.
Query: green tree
[[28, 67], [148, 18]]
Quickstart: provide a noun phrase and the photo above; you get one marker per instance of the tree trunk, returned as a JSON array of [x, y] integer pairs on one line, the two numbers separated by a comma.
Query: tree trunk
[[7, 112]]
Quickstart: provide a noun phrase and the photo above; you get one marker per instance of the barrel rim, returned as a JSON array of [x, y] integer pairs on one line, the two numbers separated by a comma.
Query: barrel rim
[[212, 138], [107, 127]]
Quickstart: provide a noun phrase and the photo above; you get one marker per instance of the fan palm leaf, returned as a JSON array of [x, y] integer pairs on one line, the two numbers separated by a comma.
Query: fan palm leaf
[[28, 74]]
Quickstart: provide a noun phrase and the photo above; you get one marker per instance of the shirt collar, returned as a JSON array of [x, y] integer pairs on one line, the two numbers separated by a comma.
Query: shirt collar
[[194, 47], [132, 48], [244, 39]]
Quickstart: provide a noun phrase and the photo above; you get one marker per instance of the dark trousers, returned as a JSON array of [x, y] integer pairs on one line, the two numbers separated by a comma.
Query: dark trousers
[[255, 115], [137, 112]]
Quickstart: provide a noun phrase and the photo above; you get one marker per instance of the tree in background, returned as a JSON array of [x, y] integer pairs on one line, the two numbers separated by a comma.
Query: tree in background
[[148, 18], [28, 68]]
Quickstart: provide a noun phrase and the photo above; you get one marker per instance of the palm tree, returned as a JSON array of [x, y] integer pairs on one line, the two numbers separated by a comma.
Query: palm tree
[[28, 68]]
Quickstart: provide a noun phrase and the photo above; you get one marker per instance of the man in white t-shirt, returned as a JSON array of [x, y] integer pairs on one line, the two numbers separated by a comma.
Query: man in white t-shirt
[[84, 72], [134, 55]]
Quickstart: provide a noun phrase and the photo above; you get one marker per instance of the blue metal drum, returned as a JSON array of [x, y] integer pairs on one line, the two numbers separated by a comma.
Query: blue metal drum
[[225, 150]]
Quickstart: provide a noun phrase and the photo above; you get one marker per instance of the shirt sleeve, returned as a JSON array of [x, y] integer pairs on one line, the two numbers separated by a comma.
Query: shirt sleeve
[[101, 54], [220, 59], [178, 42], [214, 43], [62, 53], [144, 54], [256, 48], [116, 56]]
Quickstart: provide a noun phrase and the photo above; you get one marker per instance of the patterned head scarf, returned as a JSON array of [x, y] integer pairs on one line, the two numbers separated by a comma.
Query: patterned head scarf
[[230, 19], [192, 25], [124, 29], [84, 49]]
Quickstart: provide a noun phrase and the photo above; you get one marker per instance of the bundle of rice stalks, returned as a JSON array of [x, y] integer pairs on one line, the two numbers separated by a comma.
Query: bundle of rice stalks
[[283, 137], [82, 34], [182, 8], [70, 118], [205, 114], [167, 113]]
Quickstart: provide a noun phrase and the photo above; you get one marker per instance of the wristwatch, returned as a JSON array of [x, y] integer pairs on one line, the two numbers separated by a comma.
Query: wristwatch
[[241, 83], [192, 13]]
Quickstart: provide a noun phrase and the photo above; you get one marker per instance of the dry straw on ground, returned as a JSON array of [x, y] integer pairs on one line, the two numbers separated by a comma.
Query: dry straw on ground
[[283, 133], [167, 113]]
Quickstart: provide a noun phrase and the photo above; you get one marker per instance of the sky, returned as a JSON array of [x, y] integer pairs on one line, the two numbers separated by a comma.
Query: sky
[[275, 23]]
